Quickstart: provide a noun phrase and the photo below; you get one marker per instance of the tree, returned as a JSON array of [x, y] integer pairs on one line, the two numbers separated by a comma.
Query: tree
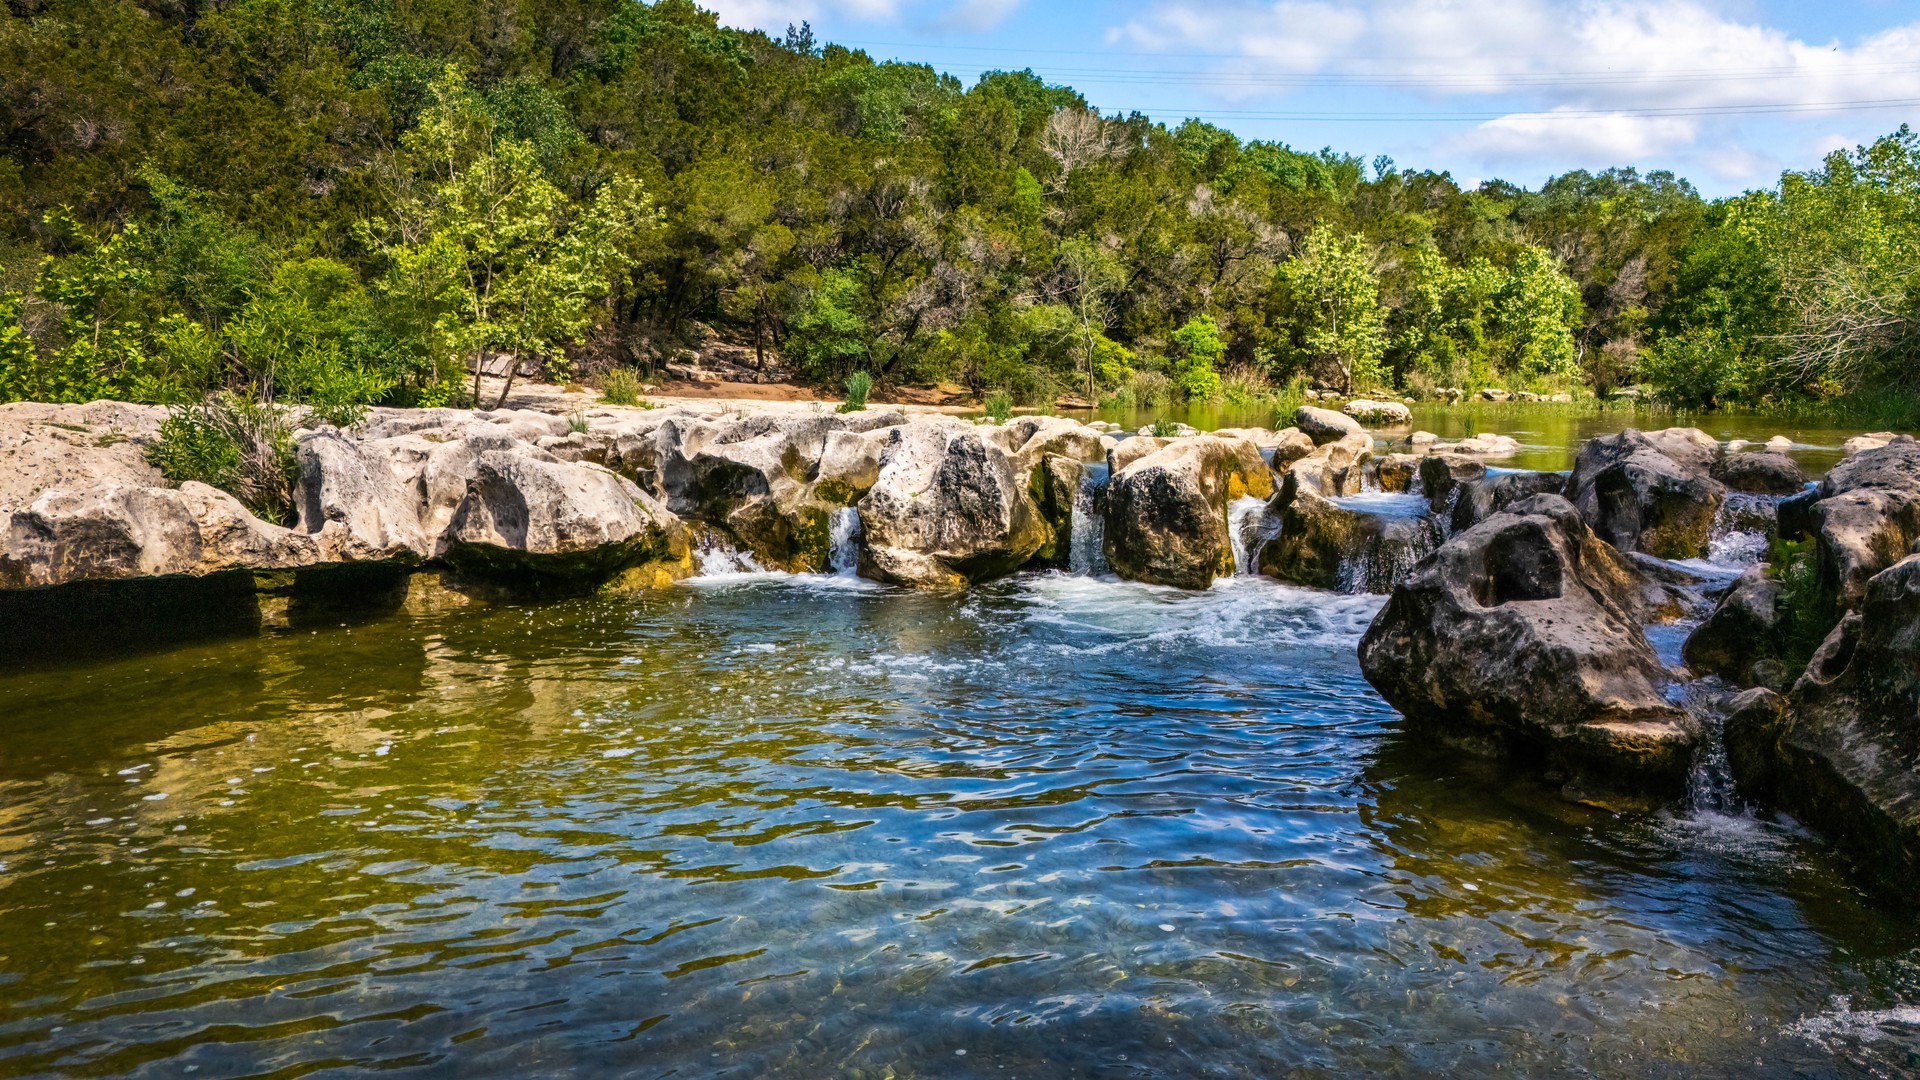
[[1090, 273], [509, 260], [1338, 300]]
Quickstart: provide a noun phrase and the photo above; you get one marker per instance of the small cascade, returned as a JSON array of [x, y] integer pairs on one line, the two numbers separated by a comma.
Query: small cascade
[[716, 556], [843, 542], [1246, 526], [1387, 557], [1086, 552], [1710, 787], [1743, 529]]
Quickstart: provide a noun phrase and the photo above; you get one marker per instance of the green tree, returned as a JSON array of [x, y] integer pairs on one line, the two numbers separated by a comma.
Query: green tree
[[1337, 297]]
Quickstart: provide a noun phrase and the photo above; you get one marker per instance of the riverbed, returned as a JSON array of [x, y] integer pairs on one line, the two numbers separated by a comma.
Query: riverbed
[[766, 825]]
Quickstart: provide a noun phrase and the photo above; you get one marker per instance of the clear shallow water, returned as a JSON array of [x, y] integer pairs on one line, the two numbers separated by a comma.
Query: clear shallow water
[[766, 825]]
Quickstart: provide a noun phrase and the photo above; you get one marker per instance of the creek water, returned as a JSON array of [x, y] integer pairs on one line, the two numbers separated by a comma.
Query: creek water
[[1549, 435], [774, 825], [804, 825]]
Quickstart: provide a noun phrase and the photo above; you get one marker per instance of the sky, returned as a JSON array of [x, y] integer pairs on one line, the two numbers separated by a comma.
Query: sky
[[1727, 93]]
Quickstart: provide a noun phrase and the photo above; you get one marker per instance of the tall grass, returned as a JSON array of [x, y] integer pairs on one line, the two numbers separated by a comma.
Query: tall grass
[[859, 385], [621, 386]]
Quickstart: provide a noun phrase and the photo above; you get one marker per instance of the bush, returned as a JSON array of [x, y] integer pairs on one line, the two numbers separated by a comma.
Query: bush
[[1164, 428], [859, 385], [1243, 387], [229, 442], [620, 387], [999, 405]]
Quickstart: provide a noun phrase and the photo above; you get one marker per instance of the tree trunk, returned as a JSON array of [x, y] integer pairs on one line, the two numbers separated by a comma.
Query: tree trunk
[[507, 386], [479, 365]]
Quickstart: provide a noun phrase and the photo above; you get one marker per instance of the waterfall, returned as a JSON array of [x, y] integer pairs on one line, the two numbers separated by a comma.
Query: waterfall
[[717, 556], [843, 544], [1742, 529], [1246, 520], [1086, 553]]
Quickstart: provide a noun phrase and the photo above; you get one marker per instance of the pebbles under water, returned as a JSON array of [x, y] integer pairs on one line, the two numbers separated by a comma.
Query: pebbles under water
[[769, 825]]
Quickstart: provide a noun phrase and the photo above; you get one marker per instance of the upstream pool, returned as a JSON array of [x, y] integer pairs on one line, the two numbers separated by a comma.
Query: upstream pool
[[760, 825]]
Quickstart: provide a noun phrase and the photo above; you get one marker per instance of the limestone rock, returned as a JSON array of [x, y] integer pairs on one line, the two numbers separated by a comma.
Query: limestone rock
[[115, 531], [1649, 492], [1844, 753], [1482, 497], [951, 506], [1519, 636], [1324, 425], [1762, 472], [532, 516], [1166, 515], [1379, 413], [1737, 642], [1865, 517]]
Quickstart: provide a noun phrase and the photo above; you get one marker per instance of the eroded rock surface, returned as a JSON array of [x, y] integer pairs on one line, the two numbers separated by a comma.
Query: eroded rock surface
[[1166, 507], [1649, 491], [1522, 636]]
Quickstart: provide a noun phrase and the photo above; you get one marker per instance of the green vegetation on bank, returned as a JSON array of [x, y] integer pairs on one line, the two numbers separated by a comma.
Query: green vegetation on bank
[[345, 202]]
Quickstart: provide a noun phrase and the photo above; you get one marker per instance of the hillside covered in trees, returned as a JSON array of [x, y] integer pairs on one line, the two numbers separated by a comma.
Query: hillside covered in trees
[[340, 202]]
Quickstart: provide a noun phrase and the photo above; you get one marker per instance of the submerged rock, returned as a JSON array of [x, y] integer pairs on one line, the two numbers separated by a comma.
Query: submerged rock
[[1522, 636], [1649, 491], [1166, 509]]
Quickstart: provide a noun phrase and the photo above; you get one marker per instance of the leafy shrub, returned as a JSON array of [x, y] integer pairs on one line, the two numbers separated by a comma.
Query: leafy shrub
[[229, 442], [1245, 386], [1807, 612], [999, 405], [859, 385], [620, 387]]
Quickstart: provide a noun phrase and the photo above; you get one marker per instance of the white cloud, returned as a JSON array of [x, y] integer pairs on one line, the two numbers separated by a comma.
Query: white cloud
[[1593, 81], [967, 16], [1609, 137]]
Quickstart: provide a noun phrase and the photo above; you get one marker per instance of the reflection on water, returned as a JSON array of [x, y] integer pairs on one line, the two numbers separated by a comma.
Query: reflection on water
[[1549, 435], [808, 826]]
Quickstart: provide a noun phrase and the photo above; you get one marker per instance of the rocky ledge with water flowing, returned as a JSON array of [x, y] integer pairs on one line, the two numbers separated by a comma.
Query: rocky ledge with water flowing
[[1515, 623]]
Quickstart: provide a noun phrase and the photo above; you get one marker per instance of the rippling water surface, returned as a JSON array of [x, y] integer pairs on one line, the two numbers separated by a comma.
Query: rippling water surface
[[770, 826]]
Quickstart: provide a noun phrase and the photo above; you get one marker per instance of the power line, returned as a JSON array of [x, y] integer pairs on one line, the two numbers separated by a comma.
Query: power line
[[1555, 115]]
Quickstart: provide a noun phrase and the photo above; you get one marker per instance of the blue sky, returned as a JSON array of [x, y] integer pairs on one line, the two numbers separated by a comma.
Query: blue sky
[[1725, 92]]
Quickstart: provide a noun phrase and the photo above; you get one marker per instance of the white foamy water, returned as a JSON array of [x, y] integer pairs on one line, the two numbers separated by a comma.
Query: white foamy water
[[1246, 520], [843, 550], [1086, 553]]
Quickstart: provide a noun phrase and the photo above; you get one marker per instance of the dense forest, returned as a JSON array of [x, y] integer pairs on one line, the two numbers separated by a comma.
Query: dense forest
[[341, 202]]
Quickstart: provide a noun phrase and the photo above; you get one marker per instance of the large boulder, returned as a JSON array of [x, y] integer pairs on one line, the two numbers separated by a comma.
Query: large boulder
[[1481, 497], [1379, 413], [1166, 513], [1649, 491], [1760, 472], [531, 519], [950, 506], [1323, 544], [1324, 425], [1739, 640], [1842, 752], [116, 531], [1865, 517], [1522, 635]]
